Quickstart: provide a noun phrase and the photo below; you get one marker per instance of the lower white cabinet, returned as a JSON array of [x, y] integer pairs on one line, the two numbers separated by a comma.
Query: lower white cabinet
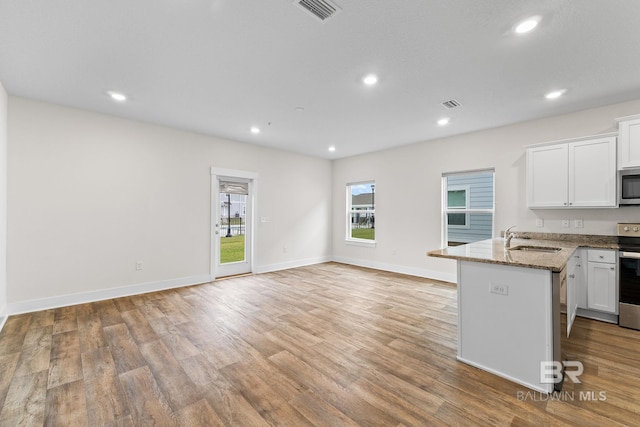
[[581, 277], [594, 277], [601, 287]]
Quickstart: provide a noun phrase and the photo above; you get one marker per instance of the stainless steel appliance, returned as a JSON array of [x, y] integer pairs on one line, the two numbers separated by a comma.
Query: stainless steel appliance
[[629, 187], [629, 275]]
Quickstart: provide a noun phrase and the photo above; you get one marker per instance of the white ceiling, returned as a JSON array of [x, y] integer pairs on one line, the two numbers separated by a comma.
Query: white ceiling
[[219, 67]]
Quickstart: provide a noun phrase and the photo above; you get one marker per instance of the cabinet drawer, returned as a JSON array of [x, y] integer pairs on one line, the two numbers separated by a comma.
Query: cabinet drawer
[[596, 255]]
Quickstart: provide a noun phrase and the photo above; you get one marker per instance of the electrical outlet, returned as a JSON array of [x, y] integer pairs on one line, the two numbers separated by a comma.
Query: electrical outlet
[[578, 223], [539, 222], [565, 223], [138, 265], [499, 289]]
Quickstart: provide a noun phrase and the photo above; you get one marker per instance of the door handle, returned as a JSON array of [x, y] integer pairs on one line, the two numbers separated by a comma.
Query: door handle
[[633, 255]]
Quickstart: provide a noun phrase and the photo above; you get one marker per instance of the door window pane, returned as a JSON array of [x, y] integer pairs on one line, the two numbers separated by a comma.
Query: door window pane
[[232, 227]]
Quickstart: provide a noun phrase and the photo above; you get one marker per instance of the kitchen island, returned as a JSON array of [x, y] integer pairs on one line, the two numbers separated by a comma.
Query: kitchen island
[[509, 307]]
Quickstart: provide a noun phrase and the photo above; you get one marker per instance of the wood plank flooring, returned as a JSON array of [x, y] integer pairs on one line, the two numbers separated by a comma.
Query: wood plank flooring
[[327, 345]]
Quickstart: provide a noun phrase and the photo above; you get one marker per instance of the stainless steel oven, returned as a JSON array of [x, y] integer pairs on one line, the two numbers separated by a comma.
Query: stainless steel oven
[[629, 275], [629, 187]]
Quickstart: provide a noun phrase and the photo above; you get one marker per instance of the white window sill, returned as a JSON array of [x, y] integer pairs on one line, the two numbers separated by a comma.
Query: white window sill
[[362, 243]]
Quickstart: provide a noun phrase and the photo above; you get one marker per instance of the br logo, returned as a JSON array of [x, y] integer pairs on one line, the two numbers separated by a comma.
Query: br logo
[[551, 372]]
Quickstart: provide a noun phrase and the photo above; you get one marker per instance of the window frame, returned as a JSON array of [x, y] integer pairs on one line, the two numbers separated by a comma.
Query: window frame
[[445, 210], [351, 211]]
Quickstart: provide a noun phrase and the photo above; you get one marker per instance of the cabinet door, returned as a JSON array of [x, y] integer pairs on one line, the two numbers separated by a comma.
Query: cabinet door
[[547, 176], [572, 293], [601, 287], [592, 173], [629, 140], [581, 278]]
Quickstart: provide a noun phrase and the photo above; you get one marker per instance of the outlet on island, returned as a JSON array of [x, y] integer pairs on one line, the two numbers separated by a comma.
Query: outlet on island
[[499, 289]]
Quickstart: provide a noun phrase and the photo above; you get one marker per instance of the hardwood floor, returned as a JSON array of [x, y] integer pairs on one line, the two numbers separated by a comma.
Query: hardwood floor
[[329, 344]]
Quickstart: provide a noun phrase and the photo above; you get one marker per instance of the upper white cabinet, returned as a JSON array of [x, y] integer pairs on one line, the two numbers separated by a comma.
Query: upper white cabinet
[[629, 142], [577, 173], [547, 176]]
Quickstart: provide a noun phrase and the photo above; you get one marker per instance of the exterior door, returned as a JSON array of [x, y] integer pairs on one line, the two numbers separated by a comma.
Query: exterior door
[[232, 223]]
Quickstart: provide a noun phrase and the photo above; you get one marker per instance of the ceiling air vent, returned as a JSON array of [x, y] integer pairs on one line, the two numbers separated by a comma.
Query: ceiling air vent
[[451, 104], [321, 9]]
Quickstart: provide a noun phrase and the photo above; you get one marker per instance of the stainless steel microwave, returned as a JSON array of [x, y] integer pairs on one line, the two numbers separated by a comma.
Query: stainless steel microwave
[[629, 187]]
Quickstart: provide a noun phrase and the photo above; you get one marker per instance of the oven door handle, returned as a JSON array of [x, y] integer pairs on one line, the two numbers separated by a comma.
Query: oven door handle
[[632, 255]]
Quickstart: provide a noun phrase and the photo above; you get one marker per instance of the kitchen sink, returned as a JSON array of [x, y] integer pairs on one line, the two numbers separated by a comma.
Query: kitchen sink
[[543, 249]]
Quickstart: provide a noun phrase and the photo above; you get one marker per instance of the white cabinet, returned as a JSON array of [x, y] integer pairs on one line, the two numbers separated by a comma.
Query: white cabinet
[[547, 176], [602, 287], [581, 277], [576, 285], [577, 173], [572, 294], [629, 142]]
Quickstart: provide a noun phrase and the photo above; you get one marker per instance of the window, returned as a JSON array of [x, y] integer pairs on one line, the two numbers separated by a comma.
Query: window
[[361, 212], [458, 200], [468, 207]]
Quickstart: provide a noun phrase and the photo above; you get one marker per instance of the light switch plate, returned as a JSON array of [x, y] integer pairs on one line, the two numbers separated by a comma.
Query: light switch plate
[[565, 223]]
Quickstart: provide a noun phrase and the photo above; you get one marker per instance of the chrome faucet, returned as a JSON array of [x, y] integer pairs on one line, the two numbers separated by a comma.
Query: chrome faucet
[[508, 236]]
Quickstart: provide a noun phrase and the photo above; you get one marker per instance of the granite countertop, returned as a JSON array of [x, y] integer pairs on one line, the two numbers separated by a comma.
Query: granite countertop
[[493, 251]]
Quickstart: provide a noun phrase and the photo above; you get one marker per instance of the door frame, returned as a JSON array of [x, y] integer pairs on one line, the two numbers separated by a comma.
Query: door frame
[[231, 174]]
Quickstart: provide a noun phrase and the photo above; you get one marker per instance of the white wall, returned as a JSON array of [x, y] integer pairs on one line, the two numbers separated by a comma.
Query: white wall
[[3, 203], [90, 194], [411, 175]]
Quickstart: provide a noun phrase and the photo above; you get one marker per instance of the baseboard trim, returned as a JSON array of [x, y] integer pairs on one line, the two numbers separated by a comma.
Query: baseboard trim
[[410, 271], [142, 288], [291, 264], [597, 315], [103, 294]]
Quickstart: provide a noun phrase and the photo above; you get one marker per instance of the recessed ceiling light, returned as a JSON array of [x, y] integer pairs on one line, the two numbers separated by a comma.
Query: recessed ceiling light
[[527, 25], [443, 121], [370, 79], [299, 109], [117, 96], [555, 94], [255, 129], [332, 148]]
